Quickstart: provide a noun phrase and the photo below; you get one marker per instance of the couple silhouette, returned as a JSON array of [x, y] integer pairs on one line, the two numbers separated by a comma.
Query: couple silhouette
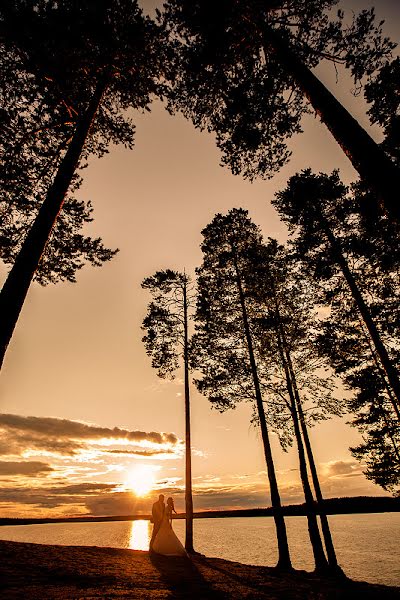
[[163, 539]]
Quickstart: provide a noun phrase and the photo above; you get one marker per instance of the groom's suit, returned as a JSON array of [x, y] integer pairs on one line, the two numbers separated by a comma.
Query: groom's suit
[[157, 513]]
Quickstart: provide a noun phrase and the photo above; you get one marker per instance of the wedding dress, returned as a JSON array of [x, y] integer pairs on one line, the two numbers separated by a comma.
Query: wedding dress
[[166, 541]]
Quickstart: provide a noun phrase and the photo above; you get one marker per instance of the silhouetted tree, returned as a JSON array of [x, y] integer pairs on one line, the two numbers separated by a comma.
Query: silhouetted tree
[[353, 254], [314, 206], [347, 344], [383, 95], [224, 341], [289, 340], [167, 342], [34, 131], [227, 377], [95, 59], [244, 70]]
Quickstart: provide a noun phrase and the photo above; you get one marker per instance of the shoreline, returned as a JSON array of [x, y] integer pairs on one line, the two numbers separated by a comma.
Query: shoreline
[[81, 572], [332, 506]]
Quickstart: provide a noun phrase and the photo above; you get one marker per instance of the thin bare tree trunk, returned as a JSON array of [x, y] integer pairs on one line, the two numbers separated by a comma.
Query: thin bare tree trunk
[[330, 549], [373, 165], [297, 406], [321, 564], [188, 451], [15, 289], [283, 547]]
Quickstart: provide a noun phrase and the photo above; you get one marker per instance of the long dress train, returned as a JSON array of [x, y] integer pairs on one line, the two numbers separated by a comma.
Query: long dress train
[[166, 541]]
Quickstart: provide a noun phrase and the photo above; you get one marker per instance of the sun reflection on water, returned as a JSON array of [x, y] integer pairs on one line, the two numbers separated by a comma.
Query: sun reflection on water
[[140, 535]]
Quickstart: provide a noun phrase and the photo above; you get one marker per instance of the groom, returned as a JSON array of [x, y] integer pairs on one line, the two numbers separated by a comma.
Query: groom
[[157, 513]]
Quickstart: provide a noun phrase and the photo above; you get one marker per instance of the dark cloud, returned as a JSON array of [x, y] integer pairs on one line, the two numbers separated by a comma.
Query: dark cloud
[[66, 437], [124, 503], [107, 498], [15, 443], [118, 503], [221, 497], [29, 468], [95, 498], [81, 489], [63, 428], [54, 496]]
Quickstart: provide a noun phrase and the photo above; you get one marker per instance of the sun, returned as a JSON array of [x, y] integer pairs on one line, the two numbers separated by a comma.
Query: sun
[[141, 480]]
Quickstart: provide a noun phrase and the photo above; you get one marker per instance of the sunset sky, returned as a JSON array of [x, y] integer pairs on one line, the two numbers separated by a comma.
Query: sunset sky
[[86, 424]]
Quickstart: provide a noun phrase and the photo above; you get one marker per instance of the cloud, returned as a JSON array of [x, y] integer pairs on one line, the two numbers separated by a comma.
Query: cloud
[[209, 493], [60, 428], [16, 443], [66, 437], [343, 467], [220, 497], [29, 468], [118, 503], [54, 496], [108, 499], [153, 453], [90, 497], [74, 447]]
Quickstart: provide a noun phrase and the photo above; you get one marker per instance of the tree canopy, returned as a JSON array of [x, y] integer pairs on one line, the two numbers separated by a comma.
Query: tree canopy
[[352, 254], [229, 78], [52, 55]]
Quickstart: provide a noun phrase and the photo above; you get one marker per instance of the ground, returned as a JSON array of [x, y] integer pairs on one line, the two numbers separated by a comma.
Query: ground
[[39, 572]]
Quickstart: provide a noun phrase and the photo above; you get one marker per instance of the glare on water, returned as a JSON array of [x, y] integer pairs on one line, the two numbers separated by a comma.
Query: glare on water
[[140, 535]]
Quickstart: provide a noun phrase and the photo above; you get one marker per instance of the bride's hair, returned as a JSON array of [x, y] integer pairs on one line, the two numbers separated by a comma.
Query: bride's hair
[[170, 502]]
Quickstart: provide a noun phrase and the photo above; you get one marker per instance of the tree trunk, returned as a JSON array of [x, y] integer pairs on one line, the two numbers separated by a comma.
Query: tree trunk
[[188, 452], [330, 549], [16, 287], [283, 547], [321, 563], [374, 167], [292, 385], [391, 373]]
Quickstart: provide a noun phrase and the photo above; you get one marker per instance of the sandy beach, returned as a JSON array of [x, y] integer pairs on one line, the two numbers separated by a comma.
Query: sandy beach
[[40, 572]]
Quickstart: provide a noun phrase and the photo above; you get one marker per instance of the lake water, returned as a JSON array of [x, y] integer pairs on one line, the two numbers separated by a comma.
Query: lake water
[[366, 545]]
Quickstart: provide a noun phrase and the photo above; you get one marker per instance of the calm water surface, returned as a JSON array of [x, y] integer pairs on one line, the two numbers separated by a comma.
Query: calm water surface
[[366, 545]]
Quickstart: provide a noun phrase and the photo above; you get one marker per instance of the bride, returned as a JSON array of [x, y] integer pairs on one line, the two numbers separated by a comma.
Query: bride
[[166, 541]]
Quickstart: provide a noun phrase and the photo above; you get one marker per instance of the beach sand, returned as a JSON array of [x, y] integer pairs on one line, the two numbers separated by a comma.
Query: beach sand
[[39, 572]]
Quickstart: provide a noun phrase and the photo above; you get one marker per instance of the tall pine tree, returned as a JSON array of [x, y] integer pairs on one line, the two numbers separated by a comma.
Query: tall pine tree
[[90, 61], [241, 323], [352, 253], [244, 70], [167, 342]]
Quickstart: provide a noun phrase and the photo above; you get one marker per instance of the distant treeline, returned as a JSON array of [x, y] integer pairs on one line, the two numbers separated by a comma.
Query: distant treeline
[[333, 506]]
